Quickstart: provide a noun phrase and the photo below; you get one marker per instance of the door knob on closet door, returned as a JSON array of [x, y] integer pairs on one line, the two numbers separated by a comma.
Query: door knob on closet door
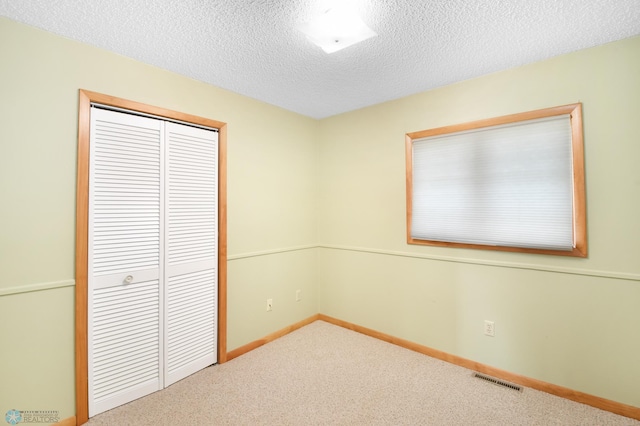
[[128, 279]]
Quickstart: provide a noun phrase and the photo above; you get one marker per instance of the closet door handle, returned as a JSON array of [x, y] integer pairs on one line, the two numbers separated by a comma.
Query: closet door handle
[[128, 279]]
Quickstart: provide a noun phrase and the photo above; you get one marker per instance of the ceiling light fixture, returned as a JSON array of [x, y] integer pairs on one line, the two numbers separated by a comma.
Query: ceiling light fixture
[[336, 28]]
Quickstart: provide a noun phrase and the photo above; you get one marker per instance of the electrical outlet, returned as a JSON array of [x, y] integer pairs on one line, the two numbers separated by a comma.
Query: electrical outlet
[[489, 328], [298, 295], [269, 304]]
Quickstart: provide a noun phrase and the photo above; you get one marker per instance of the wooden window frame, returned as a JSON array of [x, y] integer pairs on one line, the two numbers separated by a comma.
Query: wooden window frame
[[579, 198], [82, 226]]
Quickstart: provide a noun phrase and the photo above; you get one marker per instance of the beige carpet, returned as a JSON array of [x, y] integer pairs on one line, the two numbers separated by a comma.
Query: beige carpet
[[326, 375]]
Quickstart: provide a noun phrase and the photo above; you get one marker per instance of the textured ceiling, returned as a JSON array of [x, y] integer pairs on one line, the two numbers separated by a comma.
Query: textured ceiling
[[252, 47]]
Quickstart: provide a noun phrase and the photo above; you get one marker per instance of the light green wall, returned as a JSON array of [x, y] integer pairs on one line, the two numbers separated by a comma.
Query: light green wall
[[36, 358], [272, 187], [568, 321], [280, 276]]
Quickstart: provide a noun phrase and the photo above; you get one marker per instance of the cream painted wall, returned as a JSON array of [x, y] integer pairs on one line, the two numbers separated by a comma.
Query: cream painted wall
[[567, 321], [272, 187], [36, 358]]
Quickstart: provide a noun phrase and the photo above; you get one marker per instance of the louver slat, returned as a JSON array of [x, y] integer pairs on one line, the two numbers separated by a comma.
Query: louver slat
[[191, 320], [192, 176], [191, 273], [125, 349], [126, 192], [125, 228]]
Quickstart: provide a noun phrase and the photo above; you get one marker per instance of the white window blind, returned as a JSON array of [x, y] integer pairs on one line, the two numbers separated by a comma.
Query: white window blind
[[508, 185]]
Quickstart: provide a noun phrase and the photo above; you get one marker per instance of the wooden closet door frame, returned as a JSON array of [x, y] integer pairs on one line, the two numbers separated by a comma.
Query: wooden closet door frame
[[82, 227]]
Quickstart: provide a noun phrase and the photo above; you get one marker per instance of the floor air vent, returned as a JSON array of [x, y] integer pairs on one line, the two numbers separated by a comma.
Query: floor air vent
[[498, 382]]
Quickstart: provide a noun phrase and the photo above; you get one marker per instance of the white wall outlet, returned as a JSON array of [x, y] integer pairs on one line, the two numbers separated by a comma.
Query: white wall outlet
[[269, 304], [298, 295], [489, 328]]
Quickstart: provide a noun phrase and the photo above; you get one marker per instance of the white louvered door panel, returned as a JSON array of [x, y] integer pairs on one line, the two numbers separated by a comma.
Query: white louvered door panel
[[125, 270], [191, 250]]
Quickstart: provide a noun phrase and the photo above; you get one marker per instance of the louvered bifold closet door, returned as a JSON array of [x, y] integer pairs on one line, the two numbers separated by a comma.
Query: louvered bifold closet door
[[191, 250], [125, 245]]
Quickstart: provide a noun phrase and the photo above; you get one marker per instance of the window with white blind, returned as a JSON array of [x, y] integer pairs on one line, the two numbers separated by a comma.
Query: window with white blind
[[513, 183]]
